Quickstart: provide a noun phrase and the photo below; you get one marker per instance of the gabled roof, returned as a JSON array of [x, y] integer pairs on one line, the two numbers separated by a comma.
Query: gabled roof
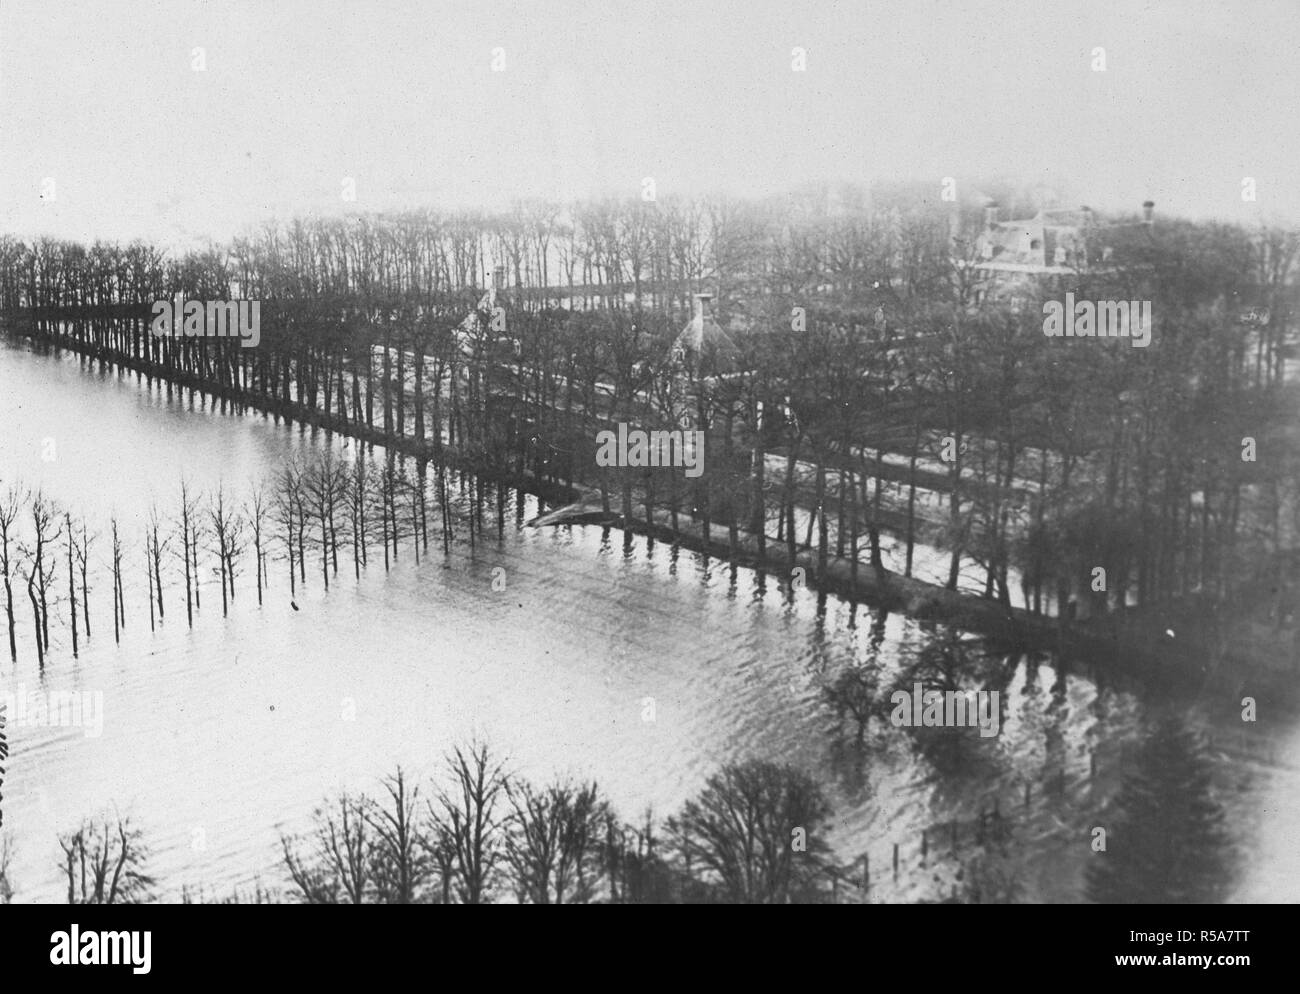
[[704, 336]]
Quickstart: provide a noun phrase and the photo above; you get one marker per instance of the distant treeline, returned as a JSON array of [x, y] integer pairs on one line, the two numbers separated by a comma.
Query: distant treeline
[[868, 342]]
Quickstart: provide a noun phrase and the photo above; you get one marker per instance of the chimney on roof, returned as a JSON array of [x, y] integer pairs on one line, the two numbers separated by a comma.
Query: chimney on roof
[[1087, 215], [702, 305], [1148, 210], [990, 215], [499, 278]]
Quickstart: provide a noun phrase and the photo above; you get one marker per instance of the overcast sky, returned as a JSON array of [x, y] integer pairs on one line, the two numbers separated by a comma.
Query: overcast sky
[[298, 94]]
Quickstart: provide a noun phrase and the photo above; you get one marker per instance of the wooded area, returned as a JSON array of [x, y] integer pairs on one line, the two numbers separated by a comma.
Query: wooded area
[[868, 355]]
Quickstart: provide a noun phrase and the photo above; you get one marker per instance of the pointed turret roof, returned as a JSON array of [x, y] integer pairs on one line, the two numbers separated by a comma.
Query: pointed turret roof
[[704, 336]]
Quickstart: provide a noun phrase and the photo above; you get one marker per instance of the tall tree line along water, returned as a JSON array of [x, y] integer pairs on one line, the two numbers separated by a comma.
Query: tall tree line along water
[[862, 392], [1066, 458]]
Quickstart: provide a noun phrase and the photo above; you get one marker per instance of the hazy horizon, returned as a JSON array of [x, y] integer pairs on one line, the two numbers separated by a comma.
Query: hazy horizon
[[402, 97]]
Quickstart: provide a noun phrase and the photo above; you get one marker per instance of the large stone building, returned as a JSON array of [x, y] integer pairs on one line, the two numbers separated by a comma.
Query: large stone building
[[1052, 250]]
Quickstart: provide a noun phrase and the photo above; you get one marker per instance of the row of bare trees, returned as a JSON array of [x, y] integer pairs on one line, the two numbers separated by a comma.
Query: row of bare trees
[[755, 834], [481, 834], [320, 511]]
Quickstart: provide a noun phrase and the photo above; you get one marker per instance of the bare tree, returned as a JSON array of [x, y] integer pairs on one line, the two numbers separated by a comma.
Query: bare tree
[[311, 879], [81, 547], [228, 531], [189, 547], [324, 486], [157, 545], [854, 693], [553, 842], [119, 603], [40, 568], [401, 865], [103, 863], [290, 515], [257, 516], [756, 832], [10, 509], [358, 491], [72, 582], [148, 575], [466, 818], [340, 858]]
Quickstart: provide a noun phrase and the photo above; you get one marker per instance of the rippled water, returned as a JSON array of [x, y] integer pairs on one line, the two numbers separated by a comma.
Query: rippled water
[[217, 739]]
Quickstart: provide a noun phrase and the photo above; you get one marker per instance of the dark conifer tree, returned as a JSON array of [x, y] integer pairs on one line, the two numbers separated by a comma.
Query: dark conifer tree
[[1167, 845]]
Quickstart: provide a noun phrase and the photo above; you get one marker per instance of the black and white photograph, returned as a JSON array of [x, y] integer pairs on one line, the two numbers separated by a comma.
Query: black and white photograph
[[779, 452]]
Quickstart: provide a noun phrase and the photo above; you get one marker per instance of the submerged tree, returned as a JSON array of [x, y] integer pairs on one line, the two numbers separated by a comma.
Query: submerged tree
[[10, 509], [81, 546], [189, 522], [40, 564], [855, 694], [228, 532]]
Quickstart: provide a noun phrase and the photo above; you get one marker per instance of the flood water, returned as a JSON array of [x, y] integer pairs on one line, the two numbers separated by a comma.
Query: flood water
[[217, 739]]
